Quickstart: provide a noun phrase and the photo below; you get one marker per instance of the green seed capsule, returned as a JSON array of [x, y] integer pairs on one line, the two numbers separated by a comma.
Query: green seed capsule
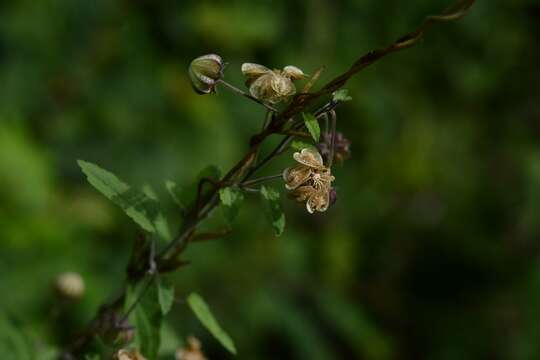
[[204, 72]]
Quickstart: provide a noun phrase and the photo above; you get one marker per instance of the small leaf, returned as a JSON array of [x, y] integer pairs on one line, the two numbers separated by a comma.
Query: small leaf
[[312, 125], [300, 145], [277, 216], [136, 204], [203, 313], [165, 296], [341, 95], [231, 198], [146, 317]]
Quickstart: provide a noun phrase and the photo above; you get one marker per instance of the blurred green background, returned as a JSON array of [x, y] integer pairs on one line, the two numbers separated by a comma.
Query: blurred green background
[[432, 250]]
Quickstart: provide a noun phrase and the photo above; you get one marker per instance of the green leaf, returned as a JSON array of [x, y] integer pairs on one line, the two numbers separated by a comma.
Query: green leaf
[[146, 317], [299, 145], [13, 343], [231, 198], [277, 216], [312, 125], [136, 204], [203, 313], [341, 95], [165, 296]]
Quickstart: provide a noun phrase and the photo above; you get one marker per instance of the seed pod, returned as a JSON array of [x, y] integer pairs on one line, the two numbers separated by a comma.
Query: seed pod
[[271, 86], [204, 72], [70, 285]]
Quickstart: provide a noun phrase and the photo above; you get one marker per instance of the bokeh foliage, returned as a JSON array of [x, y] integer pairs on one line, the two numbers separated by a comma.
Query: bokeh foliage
[[431, 250]]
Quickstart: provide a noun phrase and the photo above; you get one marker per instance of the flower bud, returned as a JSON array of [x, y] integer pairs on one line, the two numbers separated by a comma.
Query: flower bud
[[204, 72], [132, 354], [342, 147], [192, 351], [70, 285]]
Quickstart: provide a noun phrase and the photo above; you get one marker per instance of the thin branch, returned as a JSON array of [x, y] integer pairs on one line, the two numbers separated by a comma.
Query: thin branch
[[261, 180], [245, 94], [333, 121]]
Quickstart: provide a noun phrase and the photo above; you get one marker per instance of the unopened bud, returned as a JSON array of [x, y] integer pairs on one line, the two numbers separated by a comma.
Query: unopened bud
[[204, 72], [192, 351], [132, 354], [70, 285]]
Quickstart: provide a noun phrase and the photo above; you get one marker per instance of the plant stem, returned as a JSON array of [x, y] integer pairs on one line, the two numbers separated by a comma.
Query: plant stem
[[261, 180], [333, 119], [245, 94]]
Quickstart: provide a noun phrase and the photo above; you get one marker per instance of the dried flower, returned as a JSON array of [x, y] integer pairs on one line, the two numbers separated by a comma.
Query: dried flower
[[271, 86], [70, 285], [204, 72], [342, 147], [310, 180], [192, 350], [132, 354]]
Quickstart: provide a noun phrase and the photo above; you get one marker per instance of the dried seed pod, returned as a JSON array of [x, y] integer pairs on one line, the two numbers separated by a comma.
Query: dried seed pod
[[70, 285], [204, 72], [310, 181], [271, 86]]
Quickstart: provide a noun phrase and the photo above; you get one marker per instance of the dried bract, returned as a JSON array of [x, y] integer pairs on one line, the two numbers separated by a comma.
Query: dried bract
[[310, 180], [271, 86]]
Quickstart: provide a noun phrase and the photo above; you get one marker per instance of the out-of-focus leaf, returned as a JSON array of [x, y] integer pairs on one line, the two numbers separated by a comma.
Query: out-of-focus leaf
[[165, 296], [13, 344], [136, 204], [170, 341], [231, 198], [146, 316], [277, 216], [203, 313], [341, 95], [351, 323], [312, 125]]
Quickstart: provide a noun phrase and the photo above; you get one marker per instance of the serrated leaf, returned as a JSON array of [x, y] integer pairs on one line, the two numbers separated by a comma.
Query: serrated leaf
[[231, 198], [136, 204], [341, 95], [146, 317], [165, 296], [203, 313], [275, 211], [312, 125]]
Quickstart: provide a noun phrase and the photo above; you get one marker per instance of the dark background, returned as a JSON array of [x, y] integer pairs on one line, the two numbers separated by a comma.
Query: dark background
[[431, 251]]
